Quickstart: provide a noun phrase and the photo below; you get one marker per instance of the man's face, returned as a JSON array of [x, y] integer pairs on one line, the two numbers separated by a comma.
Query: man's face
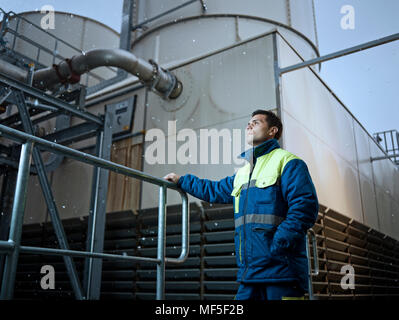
[[258, 131]]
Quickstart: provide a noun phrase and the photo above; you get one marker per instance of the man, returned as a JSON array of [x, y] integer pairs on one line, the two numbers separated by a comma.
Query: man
[[275, 203]]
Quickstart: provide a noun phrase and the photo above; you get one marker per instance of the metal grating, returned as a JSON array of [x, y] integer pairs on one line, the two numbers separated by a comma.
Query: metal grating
[[389, 141], [210, 270], [374, 257]]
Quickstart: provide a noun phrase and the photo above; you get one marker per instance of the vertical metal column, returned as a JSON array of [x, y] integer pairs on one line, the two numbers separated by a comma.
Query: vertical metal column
[[126, 28], [17, 220], [310, 284], [126, 32], [49, 198], [93, 200], [161, 244], [315, 260], [6, 202], [277, 81], [97, 217]]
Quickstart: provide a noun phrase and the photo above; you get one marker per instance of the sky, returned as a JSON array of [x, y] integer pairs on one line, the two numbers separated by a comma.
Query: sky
[[367, 82]]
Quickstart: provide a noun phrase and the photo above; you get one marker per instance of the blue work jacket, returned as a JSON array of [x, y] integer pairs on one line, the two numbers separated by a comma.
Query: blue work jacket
[[275, 203]]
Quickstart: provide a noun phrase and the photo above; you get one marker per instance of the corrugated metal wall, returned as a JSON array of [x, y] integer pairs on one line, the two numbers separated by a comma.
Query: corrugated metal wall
[[210, 270]]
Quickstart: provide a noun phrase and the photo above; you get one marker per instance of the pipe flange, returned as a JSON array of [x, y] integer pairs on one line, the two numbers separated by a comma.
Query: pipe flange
[[74, 77], [155, 76], [172, 77], [62, 79]]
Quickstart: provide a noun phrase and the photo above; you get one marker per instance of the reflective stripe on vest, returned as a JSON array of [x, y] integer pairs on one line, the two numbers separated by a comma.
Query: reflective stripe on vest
[[253, 183], [258, 218]]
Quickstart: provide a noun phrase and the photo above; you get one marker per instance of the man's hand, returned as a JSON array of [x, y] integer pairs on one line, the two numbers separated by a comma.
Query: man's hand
[[172, 177]]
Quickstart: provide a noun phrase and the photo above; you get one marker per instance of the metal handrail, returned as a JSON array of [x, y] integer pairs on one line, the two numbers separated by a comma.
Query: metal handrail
[[12, 246], [389, 141], [315, 260]]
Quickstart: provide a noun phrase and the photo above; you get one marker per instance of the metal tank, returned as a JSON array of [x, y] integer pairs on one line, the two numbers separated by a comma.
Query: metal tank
[[72, 35], [211, 25]]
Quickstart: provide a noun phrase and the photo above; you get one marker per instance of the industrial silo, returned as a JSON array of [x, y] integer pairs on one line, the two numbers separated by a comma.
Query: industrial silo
[[213, 25]]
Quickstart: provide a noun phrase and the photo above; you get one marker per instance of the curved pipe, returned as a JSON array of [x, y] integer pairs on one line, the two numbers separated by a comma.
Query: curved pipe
[[149, 73]]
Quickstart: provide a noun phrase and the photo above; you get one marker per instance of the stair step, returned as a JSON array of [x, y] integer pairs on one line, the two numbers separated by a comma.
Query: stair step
[[221, 286], [168, 296], [195, 227], [180, 286], [220, 236], [191, 262], [187, 274], [220, 261], [117, 296], [222, 273], [173, 251], [118, 274], [171, 240], [223, 248], [212, 296], [217, 225]]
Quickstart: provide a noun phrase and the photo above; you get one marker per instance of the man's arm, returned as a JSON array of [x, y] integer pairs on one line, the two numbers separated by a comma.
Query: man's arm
[[204, 189], [299, 192]]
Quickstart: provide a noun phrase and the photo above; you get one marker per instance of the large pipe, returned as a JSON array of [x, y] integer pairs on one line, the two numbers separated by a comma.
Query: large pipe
[[70, 70], [13, 71], [149, 73]]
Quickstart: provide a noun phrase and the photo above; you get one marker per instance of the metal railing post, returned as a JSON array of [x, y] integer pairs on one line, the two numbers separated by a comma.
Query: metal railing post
[[92, 214], [315, 260], [6, 202], [49, 198], [17, 219], [160, 294], [185, 231], [97, 216]]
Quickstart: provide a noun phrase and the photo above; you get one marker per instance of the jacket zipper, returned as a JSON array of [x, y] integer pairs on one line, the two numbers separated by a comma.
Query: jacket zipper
[[245, 212], [239, 248]]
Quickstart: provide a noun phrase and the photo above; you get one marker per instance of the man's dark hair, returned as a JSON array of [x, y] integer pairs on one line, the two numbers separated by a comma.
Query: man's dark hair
[[272, 120]]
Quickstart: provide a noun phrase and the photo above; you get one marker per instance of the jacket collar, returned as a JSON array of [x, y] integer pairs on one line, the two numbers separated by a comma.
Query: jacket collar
[[260, 150]]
